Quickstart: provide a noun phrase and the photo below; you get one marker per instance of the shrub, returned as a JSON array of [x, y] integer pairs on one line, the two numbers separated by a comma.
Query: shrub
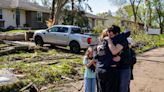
[[98, 29], [2, 30]]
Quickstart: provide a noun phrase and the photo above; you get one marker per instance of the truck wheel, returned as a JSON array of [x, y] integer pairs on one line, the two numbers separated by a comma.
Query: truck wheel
[[75, 47], [39, 41]]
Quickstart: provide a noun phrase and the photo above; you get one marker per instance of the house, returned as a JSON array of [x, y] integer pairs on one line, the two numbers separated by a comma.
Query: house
[[124, 22], [92, 20], [111, 20], [95, 20], [128, 24], [21, 13]]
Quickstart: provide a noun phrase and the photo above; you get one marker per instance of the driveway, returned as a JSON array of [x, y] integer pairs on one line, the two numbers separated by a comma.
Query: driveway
[[149, 72]]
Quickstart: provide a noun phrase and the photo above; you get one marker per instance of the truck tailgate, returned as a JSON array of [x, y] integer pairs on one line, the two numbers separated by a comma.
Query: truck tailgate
[[94, 40]]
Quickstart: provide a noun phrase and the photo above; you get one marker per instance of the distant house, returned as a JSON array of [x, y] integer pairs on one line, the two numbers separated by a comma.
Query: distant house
[[128, 23], [122, 22], [21, 13], [111, 20], [95, 20]]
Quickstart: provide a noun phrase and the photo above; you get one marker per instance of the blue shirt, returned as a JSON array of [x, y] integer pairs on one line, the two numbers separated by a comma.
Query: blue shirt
[[88, 73]]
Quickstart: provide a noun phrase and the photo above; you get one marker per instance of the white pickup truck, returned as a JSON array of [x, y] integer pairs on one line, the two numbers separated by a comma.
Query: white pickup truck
[[65, 35]]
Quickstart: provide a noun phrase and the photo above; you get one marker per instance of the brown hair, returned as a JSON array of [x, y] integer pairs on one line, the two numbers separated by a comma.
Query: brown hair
[[115, 29], [88, 51]]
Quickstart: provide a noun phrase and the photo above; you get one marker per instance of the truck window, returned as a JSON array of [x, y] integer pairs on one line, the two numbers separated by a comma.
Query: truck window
[[54, 29], [63, 30], [76, 30]]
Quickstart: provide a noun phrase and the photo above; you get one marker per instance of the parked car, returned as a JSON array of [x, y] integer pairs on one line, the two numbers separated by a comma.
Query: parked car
[[65, 35]]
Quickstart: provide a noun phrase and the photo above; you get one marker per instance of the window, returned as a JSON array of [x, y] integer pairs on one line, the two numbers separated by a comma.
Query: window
[[39, 16], [54, 29], [17, 17], [76, 30], [1, 17], [59, 29], [63, 30]]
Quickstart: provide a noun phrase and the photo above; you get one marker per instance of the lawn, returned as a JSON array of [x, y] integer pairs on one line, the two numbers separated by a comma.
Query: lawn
[[16, 31], [41, 68], [3, 45], [19, 31]]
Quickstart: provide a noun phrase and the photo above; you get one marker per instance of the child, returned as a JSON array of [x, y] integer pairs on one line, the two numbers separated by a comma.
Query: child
[[89, 75]]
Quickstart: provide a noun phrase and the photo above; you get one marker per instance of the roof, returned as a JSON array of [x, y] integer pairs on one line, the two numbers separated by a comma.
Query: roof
[[132, 21], [94, 16], [23, 4]]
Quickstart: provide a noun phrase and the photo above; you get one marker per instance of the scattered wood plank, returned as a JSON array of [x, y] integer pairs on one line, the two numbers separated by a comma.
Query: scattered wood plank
[[31, 87]]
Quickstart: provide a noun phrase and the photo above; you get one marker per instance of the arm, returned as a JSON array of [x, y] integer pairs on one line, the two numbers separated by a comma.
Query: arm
[[117, 58], [114, 49], [87, 64]]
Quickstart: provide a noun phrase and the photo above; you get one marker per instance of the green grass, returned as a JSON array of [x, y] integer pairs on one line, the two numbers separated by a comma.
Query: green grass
[[15, 56], [42, 74], [3, 45], [19, 31]]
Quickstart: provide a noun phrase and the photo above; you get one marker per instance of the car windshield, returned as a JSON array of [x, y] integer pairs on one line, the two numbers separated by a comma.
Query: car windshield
[[76, 30]]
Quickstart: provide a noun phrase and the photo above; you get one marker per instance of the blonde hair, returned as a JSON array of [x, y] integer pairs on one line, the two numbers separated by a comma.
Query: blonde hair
[[88, 52], [103, 34]]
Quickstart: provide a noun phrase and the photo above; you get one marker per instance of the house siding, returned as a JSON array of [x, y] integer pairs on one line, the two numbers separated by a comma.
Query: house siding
[[111, 21], [31, 20], [9, 17]]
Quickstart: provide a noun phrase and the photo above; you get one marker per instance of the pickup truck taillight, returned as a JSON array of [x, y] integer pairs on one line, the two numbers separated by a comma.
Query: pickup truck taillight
[[89, 40]]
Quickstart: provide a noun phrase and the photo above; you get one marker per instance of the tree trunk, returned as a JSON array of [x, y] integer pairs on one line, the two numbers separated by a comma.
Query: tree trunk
[[159, 10], [135, 9], [53, 10], [150, 12], [72, 22]]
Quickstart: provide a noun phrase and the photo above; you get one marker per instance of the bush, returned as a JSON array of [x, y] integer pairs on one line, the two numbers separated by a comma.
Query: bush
[[2, 30], [145, 41], [98, 29], [10, 28]]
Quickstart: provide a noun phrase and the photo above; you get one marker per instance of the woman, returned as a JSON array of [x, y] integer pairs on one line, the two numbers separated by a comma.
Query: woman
[[89, 75], [107, 74]]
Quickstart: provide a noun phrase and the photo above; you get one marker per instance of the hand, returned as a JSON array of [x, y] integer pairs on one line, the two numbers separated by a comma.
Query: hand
[[117, 58], [94, 62]]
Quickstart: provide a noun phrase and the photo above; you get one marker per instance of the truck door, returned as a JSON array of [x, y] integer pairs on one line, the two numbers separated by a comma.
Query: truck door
[[62, 36], [51, 35]]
